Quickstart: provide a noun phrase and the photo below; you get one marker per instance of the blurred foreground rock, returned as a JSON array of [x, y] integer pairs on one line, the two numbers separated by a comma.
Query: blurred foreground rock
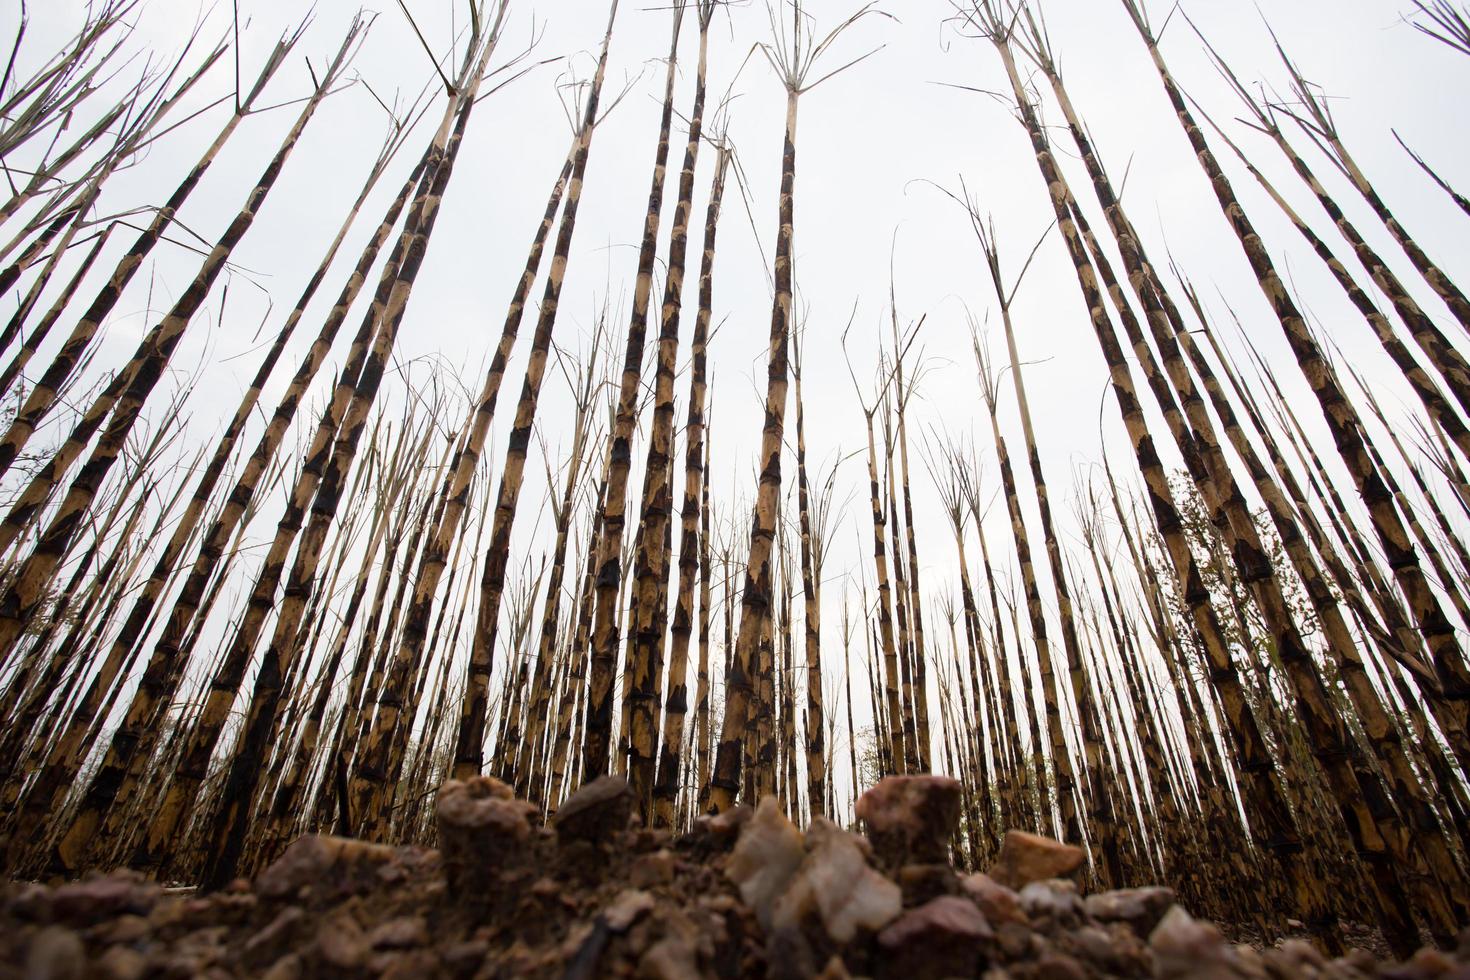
[[747, 894]]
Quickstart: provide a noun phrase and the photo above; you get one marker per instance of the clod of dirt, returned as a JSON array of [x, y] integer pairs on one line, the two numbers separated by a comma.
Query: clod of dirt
[[483, 828], [910, 819], [324, 864], [942, 938], [597, 812]]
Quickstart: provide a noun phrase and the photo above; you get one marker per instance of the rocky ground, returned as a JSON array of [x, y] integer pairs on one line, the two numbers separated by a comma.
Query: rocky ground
[[746, 895]]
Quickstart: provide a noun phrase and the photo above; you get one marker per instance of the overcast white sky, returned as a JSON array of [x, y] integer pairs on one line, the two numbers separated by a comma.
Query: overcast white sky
[[868, 141]]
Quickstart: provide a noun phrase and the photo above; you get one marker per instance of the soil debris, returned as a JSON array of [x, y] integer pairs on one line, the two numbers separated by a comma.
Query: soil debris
[[742, 896]]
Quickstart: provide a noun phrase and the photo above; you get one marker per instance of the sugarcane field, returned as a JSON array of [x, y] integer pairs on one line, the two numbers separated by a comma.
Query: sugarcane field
[[1022, 535]]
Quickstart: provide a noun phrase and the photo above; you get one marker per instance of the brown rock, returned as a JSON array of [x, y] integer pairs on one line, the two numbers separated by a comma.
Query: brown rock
[[203, 947], [836, 969], [56, 954], [1427, 964], [265, 945], [1025, 858], [596, 812], [673, 957], [1184, 948], [1141, 908], [836, 884], [1054, 902], [86, 902], [413, 965], [340, 942], [765, 859], [1059, 966], [1129, 956], [464, 958], [326, 865], [653, 869], [1094, 944], [942, 938], [401, 933], [924, 882], [998, 903], [726, 825], [626, 909], [28, 900], [288, 967], [1295, 958], [644, 840], [1015, 940], [910, 819], [482, 829], [122, 963], [123, 929], [789, 954], [946, 916]]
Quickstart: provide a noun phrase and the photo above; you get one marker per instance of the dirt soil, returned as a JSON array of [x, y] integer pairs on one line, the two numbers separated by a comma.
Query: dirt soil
[[746, 895]]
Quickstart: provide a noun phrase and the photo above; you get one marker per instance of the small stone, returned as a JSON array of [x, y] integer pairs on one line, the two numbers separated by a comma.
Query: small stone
[[401, 933], [324, 864], [268, 942], [768, 853], [464, 958], [626, 909], [1129, 956], [595, 812], [1142, 908], [1427, 964], [168, 914], [122, 963], [56, 954], [1025, 858], [205, 947], [123, 929], [413, 965], [910, 819], [86, 902], [835, 969], [726, 825], [340, 942], [645, 840], [948, 916], [1294, 958], [1055, 900], [1248, 963], [482, 828], [924, 882], [672, 958], [1095, 944], [582, 949], [1014, 939], [996, 901], [653, 869], [28, 900], [288, 967], [836, 882], [1359, 961], [789, 954], [1059, 966], [942, 938], [1184, 948]]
